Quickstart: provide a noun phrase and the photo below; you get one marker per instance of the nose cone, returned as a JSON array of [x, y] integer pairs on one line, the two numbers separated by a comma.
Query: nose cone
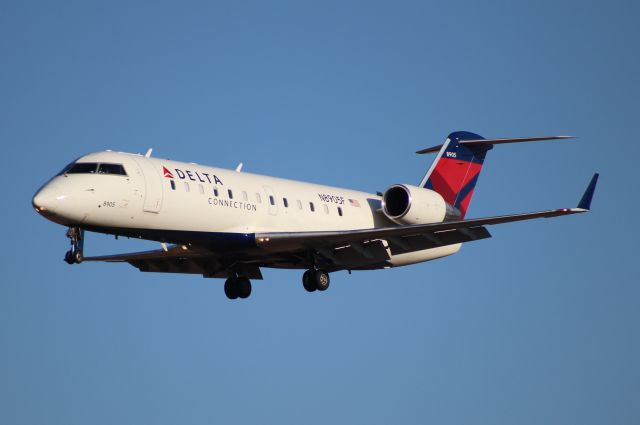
[[46, 200]]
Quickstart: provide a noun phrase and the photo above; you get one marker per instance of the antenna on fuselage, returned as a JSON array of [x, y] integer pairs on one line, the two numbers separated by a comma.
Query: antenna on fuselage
[[239, 167], [149, 152]]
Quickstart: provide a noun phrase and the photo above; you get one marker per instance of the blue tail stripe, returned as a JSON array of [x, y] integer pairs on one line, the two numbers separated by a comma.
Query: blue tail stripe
[[466, 190]]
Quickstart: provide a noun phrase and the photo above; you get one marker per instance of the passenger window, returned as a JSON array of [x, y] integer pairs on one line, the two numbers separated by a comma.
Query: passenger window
[[258, 198], [271, 200], [340, 211], [116, 169], [173, 184], [285, 202], [312, 207], [244, 196], [186, 187], [325, 208], [299, 204], [215, 191], [201, 189], [230, 192]]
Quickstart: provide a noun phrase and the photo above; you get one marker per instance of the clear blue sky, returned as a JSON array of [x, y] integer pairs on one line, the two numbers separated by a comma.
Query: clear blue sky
[[537, 325]]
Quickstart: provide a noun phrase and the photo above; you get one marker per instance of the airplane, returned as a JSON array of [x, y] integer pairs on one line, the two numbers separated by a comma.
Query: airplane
[[229, 224]]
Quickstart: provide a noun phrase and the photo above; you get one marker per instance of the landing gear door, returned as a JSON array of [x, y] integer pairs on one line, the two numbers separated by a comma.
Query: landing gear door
[[272, 202], [152, 186]]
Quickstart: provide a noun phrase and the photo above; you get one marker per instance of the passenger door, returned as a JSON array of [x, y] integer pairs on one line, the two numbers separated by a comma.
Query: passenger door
[[152, 185]]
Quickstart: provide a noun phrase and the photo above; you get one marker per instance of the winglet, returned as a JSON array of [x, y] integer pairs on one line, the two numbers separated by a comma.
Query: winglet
[[585, 202]]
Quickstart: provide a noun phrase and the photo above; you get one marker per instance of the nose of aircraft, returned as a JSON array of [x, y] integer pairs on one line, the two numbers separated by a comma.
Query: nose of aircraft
[[46, 199]]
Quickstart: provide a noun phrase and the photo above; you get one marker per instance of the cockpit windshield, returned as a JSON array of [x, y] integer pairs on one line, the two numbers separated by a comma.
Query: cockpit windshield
[[94, 168], [117, 169]]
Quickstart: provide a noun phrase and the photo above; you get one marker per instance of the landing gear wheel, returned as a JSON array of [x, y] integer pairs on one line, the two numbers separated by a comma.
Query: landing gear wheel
[[237, 287], [307, 281], [74, 255], [315, 280], [231, 289], [68, 257], [243, 286], [321, 280]]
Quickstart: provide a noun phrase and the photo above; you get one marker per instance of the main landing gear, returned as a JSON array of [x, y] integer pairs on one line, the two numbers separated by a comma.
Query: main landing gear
[[313, 280], [74, 255], [237, 287]]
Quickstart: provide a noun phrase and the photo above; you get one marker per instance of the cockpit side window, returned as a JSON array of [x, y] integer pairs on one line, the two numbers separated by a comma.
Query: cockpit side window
[[66, 167], [116, 169]]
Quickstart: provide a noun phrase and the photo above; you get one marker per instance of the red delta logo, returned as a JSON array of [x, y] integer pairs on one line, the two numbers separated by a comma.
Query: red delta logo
[[194, 176], [166, 172]]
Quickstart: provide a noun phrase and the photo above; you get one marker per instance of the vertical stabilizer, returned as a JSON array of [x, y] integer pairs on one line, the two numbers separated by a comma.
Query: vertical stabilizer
[[456, 169]]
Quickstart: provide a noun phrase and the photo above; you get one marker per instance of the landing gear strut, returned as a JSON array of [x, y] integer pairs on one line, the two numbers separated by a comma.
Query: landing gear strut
[[313, 280], [74, 255], [237, 287]]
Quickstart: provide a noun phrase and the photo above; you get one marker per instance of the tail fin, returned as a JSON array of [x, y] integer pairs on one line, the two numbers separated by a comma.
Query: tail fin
[[456, 169]]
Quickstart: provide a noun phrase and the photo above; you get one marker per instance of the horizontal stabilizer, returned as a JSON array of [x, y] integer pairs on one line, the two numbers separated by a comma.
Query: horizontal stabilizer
[[495, 142]]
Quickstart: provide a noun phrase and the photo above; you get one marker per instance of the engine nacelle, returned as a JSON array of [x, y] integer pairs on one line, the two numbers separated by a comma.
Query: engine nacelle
[[406, 204]]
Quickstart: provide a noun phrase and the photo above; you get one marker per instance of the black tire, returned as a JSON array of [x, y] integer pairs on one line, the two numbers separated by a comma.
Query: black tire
[[68, 257], [231, 289], [321, 280], [243, 286], [78, 257], [307, 281]]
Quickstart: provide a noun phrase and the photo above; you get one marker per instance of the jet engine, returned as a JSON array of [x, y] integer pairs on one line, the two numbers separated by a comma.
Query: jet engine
[[406, 204]]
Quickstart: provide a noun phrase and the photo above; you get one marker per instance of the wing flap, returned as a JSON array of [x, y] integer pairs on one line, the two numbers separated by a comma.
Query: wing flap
[[208, 267], [156, 254], [406, 244], [360, 254], [181, 259], [168, 265]]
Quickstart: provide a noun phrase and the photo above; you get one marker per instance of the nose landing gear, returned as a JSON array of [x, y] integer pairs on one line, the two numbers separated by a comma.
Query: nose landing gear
[[74, 255]]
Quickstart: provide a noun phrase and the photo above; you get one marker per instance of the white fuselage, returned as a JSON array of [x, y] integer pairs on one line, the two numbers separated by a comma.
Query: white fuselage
[[159, 198]]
